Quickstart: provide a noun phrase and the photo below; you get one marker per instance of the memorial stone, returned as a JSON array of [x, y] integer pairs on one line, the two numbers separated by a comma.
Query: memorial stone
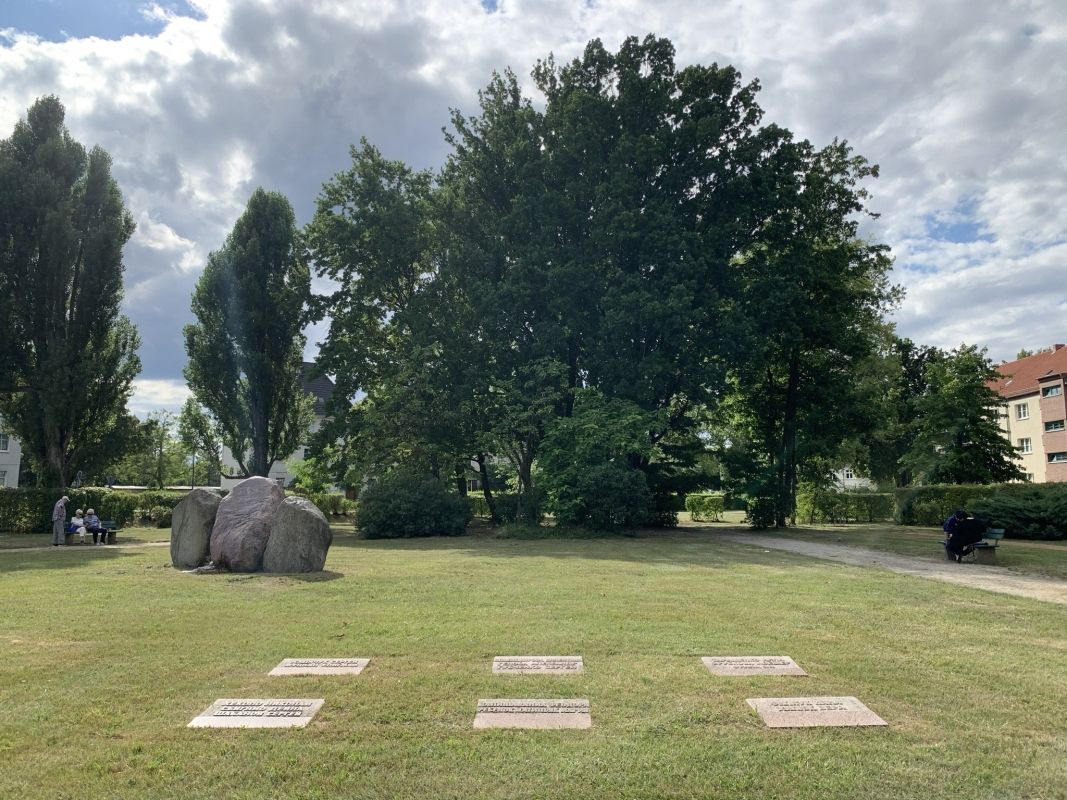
[[537, 665], [243, 524], [811, 712], [752, 665], [258, 713], [320, 666], [190, 529], [542, 714]]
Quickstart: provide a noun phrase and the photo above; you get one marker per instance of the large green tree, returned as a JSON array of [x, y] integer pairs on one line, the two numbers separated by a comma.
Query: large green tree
[[956, 435], [245, 351], [812, 295], [67, 355]]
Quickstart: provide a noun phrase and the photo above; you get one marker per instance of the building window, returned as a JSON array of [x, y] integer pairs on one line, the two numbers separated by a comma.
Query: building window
[[1052, 391], [3, 478], [1057, 458], [848, 473], [1025, 445], [3, 442], [1028, 477], [1055, 425], [1022, 411]]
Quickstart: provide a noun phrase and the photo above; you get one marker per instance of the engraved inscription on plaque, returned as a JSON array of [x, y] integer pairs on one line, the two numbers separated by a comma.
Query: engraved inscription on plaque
[[752, 665], [545, 714], [537, 665], [258, 713], [809, 712], [320, 666]]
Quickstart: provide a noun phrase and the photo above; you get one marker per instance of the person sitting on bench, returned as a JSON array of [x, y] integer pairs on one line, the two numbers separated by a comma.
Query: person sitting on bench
[[963, 532], [77, 525], [92, 522]]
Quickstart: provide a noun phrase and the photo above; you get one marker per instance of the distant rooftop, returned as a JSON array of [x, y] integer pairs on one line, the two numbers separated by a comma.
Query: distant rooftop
[[1022, 377], [321, 387]]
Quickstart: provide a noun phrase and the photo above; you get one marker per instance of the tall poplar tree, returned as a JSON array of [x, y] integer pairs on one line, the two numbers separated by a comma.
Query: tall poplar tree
[[67, 356], [246, 349]]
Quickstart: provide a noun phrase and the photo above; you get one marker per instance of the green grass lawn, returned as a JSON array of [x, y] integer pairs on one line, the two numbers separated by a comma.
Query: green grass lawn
[[109, 652]]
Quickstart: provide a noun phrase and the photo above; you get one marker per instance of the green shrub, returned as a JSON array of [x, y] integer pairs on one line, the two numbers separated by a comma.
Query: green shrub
[[602, 497], [161, 516], [706, 506], [932, 505], [332, 504], [818, 505], [1029, 512], [402, 504]]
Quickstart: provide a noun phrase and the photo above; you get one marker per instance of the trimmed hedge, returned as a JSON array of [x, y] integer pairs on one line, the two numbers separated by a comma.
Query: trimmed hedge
[[29, 510], [332, 504], [1032, 512], [706, 506], [829, 506], [932, 505]]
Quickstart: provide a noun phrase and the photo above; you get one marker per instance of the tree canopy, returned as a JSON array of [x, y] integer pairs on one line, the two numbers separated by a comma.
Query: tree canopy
[[67, 355], [246, 348]]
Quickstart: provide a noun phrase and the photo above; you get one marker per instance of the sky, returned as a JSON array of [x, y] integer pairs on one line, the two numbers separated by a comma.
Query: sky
[[960, 102]]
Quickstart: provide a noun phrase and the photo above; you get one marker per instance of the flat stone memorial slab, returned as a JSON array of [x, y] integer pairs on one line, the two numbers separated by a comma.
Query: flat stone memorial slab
[[320, 666], [537, 665], [258, 713], [752, 665], [813, 712], [544, 714]]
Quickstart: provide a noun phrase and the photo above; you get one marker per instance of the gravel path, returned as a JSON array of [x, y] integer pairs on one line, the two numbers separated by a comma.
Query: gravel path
[[976, 576]]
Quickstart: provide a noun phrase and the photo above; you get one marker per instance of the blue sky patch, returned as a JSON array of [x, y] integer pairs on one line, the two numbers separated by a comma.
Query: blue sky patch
[[58, 20]]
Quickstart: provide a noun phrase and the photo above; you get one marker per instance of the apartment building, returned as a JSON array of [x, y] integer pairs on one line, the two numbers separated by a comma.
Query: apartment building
[[10, 458], [1035, 412]]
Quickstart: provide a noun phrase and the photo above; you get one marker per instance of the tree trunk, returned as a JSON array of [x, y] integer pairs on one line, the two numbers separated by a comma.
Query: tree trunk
[[787, 471], [524, 504], [461, 479], [487, 492]]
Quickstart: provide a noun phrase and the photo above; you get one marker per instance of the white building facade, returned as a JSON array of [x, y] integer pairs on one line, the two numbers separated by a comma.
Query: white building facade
[[10, 458]]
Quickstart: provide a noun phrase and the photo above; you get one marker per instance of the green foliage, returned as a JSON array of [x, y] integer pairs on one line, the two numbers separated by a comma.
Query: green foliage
[[30, 510], [1033, 511], [816, 504], [403, 504], [508, 506], [932, 505], [161, 516], [706, 506], [333, 504], [246, 348], [200, 437], [956, 437], [67, 355], [586, 463]]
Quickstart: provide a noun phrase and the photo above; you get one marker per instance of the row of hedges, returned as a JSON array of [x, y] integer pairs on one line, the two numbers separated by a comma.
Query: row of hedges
[[29, 510], [827, 505], [333, 504], [705, 506]]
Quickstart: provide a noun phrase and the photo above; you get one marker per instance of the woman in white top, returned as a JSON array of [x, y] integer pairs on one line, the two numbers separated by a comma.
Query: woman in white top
[[77, 525]]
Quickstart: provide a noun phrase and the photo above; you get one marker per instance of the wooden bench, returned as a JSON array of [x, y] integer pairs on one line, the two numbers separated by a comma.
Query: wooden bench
[[108, 537], [984, 551]]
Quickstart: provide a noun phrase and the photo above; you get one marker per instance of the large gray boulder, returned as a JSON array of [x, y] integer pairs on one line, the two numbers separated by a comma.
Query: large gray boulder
[[299, 539], [243, 523], [190, 528]]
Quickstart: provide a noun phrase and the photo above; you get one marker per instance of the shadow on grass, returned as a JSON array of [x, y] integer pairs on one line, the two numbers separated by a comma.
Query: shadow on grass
[[59, 557], [678, 547]]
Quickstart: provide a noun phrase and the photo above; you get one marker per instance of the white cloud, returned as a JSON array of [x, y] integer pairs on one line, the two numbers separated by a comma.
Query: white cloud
[[157, 395], [961, 104]]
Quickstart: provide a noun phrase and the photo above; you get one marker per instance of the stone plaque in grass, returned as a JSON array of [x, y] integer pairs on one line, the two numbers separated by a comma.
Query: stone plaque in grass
[[258, 713], [320, 666], [813, 712], [537, 665], [544, 714], [752, 665]]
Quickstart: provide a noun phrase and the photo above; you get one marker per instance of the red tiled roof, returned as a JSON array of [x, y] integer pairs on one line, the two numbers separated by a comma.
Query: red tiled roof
[[1021, 377]]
